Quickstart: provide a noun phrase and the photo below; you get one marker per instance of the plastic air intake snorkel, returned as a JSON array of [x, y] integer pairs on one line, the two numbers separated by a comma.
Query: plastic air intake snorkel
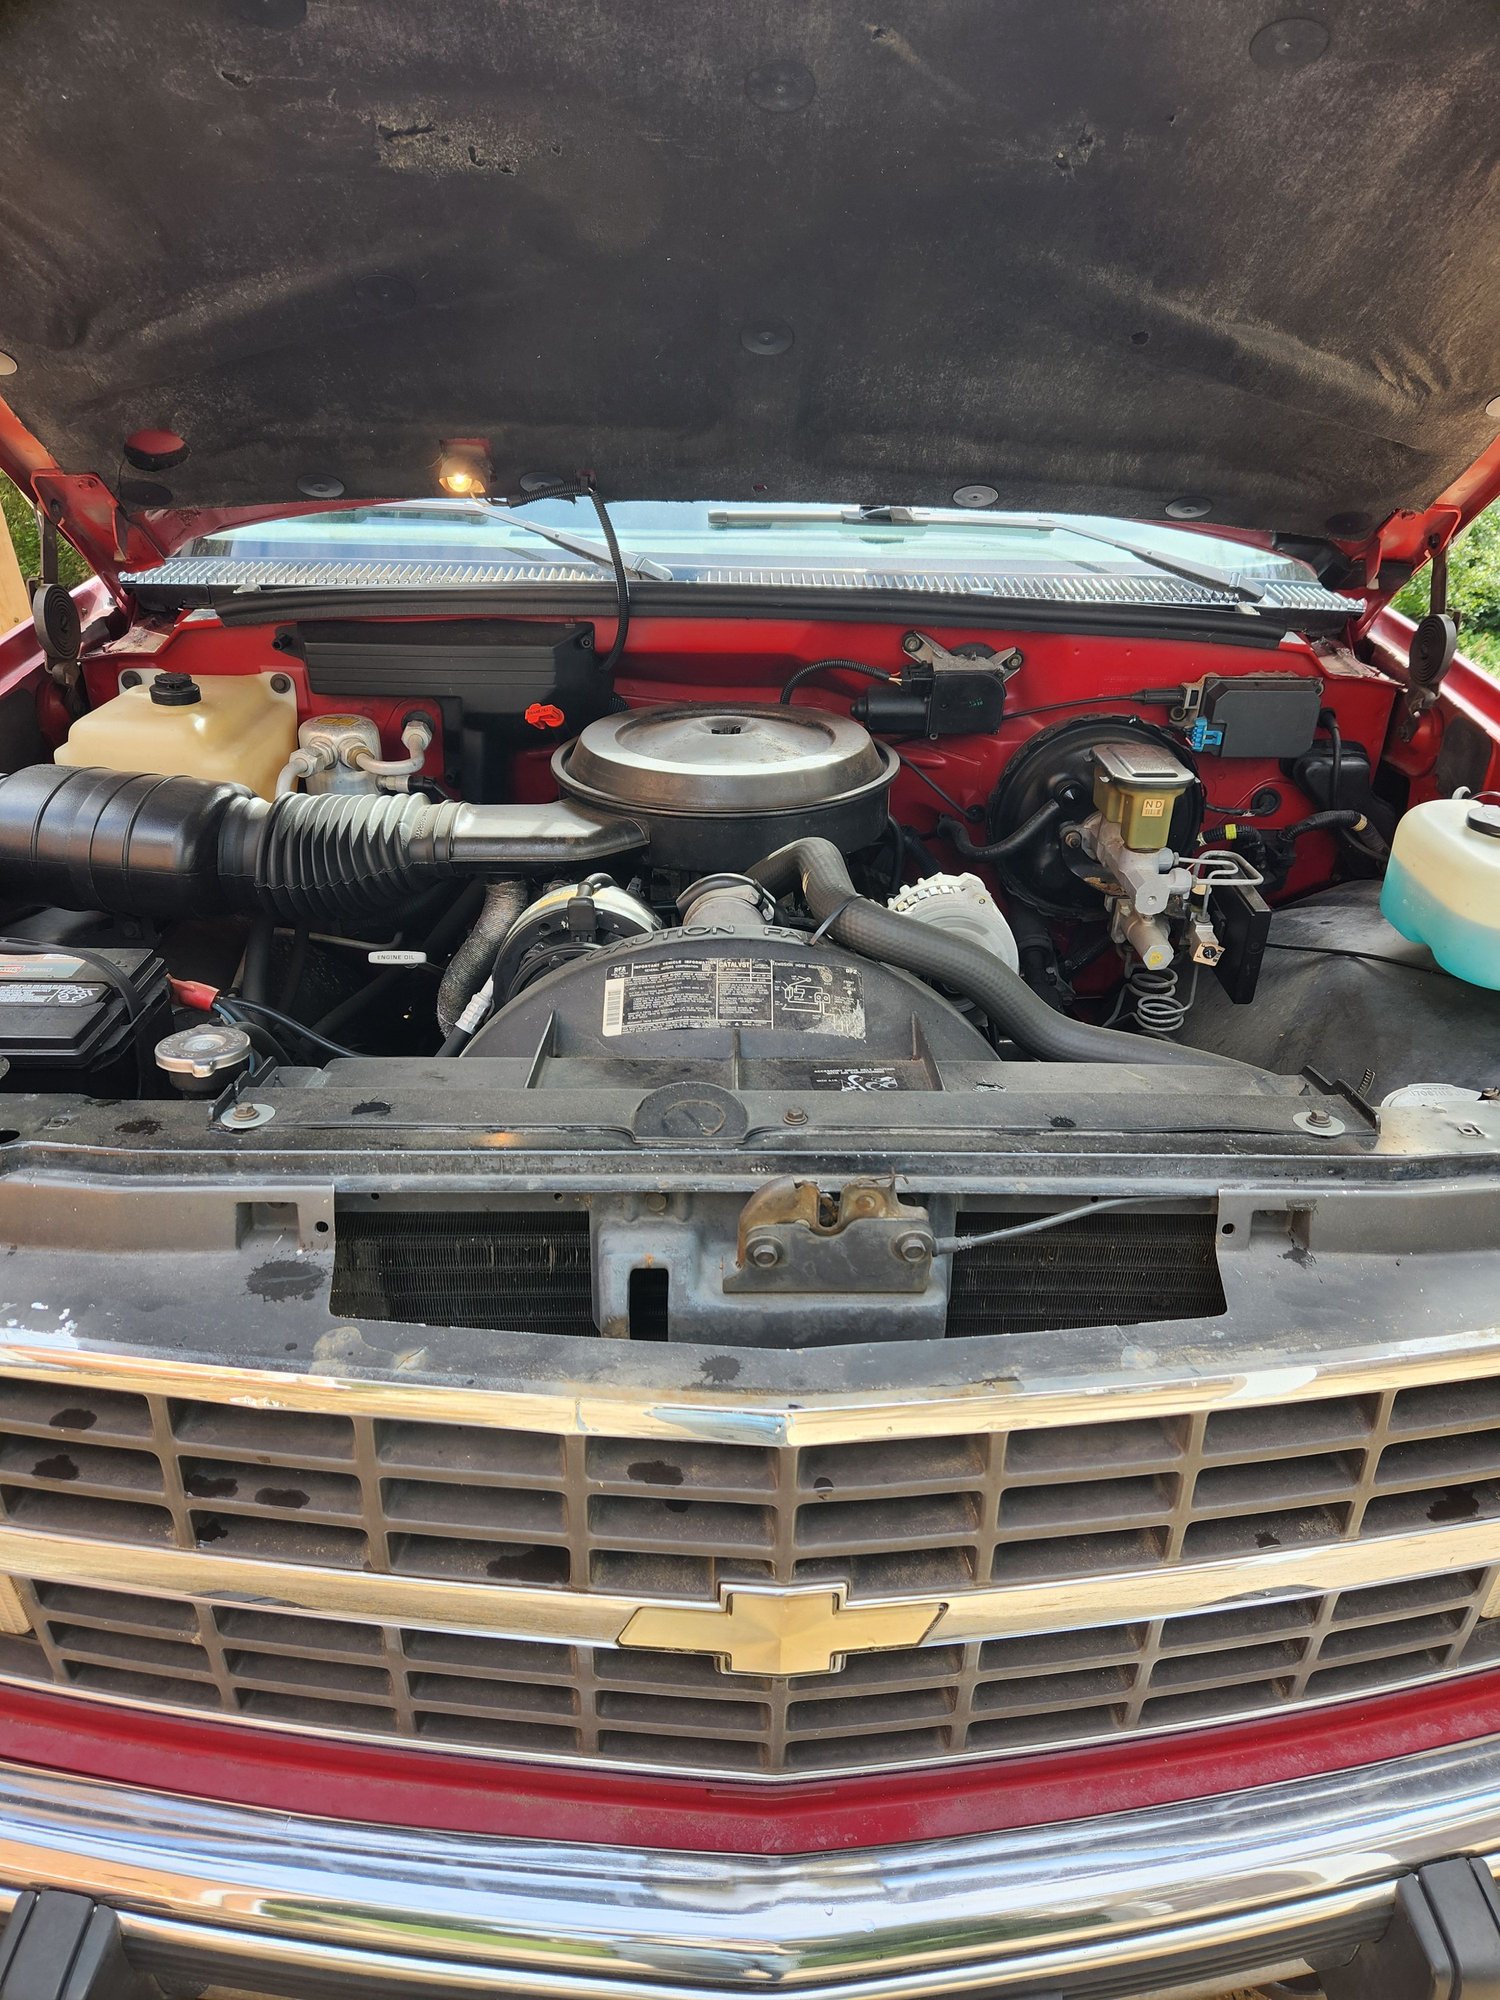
[[140, 845]]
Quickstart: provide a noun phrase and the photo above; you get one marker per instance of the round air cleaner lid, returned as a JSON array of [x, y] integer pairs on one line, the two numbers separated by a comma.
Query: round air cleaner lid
[[705, 761]]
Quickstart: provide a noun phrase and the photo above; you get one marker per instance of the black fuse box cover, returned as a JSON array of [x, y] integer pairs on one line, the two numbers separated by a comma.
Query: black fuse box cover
[[1257, 715], [64, 1027]]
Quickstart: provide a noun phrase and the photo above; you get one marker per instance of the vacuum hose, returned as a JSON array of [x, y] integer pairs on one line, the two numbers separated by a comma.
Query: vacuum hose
[[1017, 1012], [140, 845]]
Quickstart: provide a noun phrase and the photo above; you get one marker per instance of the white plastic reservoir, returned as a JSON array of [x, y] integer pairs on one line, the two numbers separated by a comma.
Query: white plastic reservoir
[[1442, 887], [239, 727]]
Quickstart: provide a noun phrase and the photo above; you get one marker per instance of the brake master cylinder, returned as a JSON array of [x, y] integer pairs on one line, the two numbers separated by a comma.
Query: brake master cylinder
[[1136, 788]]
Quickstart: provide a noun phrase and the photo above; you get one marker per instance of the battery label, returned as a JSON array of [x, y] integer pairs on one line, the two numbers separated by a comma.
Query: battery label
[[739, 992], [50, 964], [36, 993]]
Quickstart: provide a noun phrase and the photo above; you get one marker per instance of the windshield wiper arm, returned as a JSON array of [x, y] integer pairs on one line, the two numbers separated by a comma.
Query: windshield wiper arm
[[1247, 593], [1042, 524], [636, 566]]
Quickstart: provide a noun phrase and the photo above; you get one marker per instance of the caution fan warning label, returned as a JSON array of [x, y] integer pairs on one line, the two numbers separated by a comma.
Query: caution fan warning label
[[748, 992]]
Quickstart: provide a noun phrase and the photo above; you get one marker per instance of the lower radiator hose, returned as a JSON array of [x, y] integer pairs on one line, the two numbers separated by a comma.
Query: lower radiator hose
[[863, 926], [140, 845]]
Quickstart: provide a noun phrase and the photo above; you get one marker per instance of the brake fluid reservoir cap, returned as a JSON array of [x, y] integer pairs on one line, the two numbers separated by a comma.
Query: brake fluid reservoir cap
[[1485, 819]]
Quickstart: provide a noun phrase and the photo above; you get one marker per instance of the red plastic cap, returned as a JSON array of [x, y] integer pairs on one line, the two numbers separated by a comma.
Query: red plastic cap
[[154, 450], [194, 993], [545, 715]]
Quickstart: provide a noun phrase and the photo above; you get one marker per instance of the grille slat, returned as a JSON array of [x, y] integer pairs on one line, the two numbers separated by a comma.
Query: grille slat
[[678, 1518]]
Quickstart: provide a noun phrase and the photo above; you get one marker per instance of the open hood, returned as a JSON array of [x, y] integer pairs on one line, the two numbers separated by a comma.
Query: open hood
[[1149, 257]]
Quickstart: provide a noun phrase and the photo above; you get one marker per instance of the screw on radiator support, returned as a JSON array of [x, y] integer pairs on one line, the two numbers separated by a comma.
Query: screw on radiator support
[[242, 1117], [1322, 1124], [764, 1252]]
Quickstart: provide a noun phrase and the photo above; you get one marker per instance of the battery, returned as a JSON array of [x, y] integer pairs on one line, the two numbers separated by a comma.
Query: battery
[[65, 1027]]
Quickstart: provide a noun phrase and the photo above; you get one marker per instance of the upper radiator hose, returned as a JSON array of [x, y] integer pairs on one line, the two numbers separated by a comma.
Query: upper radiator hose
[[875, 932], [141, 845]]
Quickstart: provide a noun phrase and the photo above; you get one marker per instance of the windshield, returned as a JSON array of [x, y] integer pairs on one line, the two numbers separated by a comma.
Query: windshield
[[463, 542]]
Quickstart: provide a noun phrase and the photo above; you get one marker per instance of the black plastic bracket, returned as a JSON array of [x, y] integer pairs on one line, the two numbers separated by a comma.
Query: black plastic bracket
[[58, 1946], [1442, 1943]]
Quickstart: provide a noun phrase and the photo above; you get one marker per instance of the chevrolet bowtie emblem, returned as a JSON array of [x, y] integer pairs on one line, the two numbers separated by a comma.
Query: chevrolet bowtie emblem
[[760, 1630]]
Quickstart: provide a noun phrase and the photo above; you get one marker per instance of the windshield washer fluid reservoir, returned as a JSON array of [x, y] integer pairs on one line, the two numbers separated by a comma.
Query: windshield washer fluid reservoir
[[1442, 886], [234, 727]]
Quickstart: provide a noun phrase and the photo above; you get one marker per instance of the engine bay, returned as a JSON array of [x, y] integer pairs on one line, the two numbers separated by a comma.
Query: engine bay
[[758, 874]]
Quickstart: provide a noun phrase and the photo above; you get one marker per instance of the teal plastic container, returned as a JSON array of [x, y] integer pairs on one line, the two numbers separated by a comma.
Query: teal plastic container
[[1442, 886]]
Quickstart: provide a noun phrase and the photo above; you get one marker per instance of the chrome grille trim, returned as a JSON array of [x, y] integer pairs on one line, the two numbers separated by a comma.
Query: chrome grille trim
[[1442, 1366], [316, 1555]]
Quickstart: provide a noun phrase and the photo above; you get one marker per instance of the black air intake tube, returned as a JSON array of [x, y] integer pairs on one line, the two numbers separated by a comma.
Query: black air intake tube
[[146, 846], [818, 868]]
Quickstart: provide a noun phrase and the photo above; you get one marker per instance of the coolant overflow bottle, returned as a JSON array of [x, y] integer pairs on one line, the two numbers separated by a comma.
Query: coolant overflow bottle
[[1442, 886]]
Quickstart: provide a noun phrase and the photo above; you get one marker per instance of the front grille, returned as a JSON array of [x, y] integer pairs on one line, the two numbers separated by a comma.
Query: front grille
[[331, 1490]]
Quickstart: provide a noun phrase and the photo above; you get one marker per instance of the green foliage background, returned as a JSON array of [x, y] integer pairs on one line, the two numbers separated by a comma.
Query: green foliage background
[[1473, 575], [19, 518], [1473, 589]]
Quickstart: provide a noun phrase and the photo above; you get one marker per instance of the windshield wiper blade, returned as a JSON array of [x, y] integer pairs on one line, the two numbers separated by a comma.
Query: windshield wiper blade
[[636, 566], [752, 515]]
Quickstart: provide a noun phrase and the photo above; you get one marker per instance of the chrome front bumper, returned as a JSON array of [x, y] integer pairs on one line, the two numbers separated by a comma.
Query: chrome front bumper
[[1187, 1899]]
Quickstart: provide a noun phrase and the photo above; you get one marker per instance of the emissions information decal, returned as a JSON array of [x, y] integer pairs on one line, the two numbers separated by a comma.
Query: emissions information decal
[[743, 992]]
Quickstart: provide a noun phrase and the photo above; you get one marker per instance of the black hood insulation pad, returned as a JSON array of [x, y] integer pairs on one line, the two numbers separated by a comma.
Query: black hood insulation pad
[[1094, 254]]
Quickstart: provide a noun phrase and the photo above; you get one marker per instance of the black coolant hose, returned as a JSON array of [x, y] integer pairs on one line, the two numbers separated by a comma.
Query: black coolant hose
[[475, 958], [968, 968], [140, 845]]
